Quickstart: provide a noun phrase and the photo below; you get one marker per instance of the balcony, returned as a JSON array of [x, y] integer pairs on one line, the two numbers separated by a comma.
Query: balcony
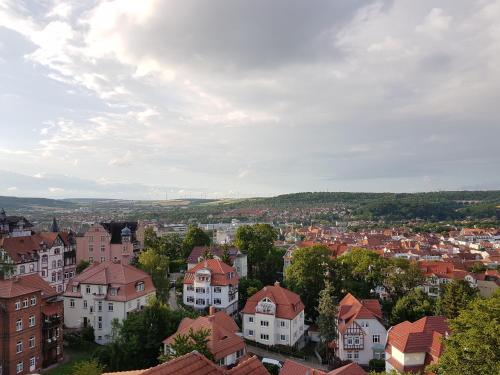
[[51, 322]]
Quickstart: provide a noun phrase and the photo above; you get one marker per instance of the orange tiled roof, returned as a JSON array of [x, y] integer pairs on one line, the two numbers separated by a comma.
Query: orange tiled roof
[[219, 272], [294, 368], [288, 304], [350, 309], [223, 339], [24, 285]]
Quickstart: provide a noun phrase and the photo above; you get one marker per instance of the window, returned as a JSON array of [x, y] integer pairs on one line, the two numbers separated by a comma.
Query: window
[[19, 347], [190, 288], [250, 319], [240, 353], [33, 301], [99, 306], [72, 303], [200, 301], [22, 270], [376, 338], [25, 303], [54, 275], [103, 238], [356, 355], [91, 248], [59, 276], [19, 325], [264, 323], [200, 290], [110, 306], [85, 305], [103, 259], [356, 341], [32, 267], [31, 321], [87, 289], [32, 342], [217, 289], [19, 367], [379, 355], [53, 264], [75, 289], [250, 332], [58, 350], [113, 291], [44, 273], [283, 337], [32, 363], [282, 323], [59, 263], [264, 336], [349, 355], [190, 299], [91, 259], [349, 341], [18, 305], [103, 248], [217, 301], [140, 287]]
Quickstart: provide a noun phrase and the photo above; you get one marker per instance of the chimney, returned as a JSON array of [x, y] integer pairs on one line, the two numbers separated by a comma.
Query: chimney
[[211, 311], [276, 283]]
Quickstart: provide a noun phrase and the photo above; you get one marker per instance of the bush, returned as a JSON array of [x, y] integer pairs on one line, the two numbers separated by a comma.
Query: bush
[[177, 265], [376, 365]]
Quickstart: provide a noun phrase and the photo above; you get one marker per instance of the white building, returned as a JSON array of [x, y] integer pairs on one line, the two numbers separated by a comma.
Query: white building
[[274, 316], [238, 259], [103, 292], [212, 283], [360, 333]]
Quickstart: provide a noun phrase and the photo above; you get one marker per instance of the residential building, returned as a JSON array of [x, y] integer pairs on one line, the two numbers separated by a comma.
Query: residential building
[[361, 336], [104, 292], [31, 318], [212, 283], [238, 259], [196, 364], [413, 346], [226, 346], [14, 226], [113, 241], [48, 254], [274, 316], [295, 368]]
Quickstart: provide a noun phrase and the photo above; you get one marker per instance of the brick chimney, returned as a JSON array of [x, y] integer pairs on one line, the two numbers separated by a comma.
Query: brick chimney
[[276, 283]]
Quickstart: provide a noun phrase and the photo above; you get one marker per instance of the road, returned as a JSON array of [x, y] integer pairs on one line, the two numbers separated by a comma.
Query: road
[[172, 300], [268, 354]]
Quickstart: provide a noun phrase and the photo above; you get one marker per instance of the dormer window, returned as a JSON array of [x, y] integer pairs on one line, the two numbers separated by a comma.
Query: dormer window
[[140, 287]]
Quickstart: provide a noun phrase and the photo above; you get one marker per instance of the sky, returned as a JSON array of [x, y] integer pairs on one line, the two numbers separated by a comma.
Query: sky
[[227, 98]]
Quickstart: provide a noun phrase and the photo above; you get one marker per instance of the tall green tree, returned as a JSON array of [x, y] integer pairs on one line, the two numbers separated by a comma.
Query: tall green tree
[[455, 296], [474, 344], [186, 343], [225, 257], [305, 276], [413, 306], [207, 254], [157, 266], [247, 288], [195, 236], [400, 277], [327, 316], [257, 241], [80, 267]]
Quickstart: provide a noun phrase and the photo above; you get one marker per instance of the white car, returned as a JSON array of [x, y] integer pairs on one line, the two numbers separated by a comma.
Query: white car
[[270, 361]]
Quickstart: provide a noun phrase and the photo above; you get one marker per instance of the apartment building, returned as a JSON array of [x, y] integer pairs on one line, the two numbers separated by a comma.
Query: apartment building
[[31, 318], [113, 241], [14, 226], [51, 255], [212, 283], [238, 259], [103, 292], [361, 335], [274, 316]]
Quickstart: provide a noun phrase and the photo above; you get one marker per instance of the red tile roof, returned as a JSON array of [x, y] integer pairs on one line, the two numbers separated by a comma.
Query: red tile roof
[[26, 246], [250, 366], [27, 284], [421, 336], [288, 304], [350, 309], [223, 339], [219, 270], [294, 368], [350, 369], [123, 277]]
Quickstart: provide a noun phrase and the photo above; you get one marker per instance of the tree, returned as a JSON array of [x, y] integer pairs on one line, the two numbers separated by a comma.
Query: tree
[[478, 267], [473, 346], [305, 276], [247, 288], [415, 305], [157, 266], [195, 236], [207, 254], [137, 340], [91, 367], [400, 277], [455, 296], [193, 340], [256, 241], [327, 315], [82, 266], [225, 257]]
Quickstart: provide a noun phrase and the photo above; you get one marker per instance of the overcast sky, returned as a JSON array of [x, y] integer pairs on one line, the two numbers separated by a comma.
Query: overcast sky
[[219, 98]]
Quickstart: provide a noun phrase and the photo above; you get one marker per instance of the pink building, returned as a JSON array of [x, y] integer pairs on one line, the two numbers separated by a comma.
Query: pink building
[[108, 241]]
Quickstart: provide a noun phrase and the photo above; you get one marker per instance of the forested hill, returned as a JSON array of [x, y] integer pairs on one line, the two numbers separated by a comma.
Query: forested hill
[[15, 203]]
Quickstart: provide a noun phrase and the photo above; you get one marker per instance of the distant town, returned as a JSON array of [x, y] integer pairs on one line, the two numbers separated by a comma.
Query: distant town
[[297, 284]]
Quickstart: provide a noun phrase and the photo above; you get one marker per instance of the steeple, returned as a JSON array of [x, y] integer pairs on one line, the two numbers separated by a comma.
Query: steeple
[[54, 227]]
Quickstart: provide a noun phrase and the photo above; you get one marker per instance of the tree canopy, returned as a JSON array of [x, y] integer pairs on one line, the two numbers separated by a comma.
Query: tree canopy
[[413, 306], [195, 236], [455, 296], [156, 265], [91, 367], [186, 343]]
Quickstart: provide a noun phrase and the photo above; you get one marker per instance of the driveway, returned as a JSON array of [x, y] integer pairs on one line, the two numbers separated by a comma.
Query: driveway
[[280, 357], [172, 300]]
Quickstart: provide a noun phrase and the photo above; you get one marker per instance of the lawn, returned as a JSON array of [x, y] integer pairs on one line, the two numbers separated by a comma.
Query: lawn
[[71, 356]]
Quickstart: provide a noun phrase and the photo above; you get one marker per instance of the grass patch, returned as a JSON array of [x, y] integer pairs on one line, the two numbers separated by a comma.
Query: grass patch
[[72, 356]]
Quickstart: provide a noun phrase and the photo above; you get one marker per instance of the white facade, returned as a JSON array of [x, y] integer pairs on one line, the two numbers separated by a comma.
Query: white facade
[[363, 340], [202, 294], [405, 359], [94, 309], [266, 328]]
